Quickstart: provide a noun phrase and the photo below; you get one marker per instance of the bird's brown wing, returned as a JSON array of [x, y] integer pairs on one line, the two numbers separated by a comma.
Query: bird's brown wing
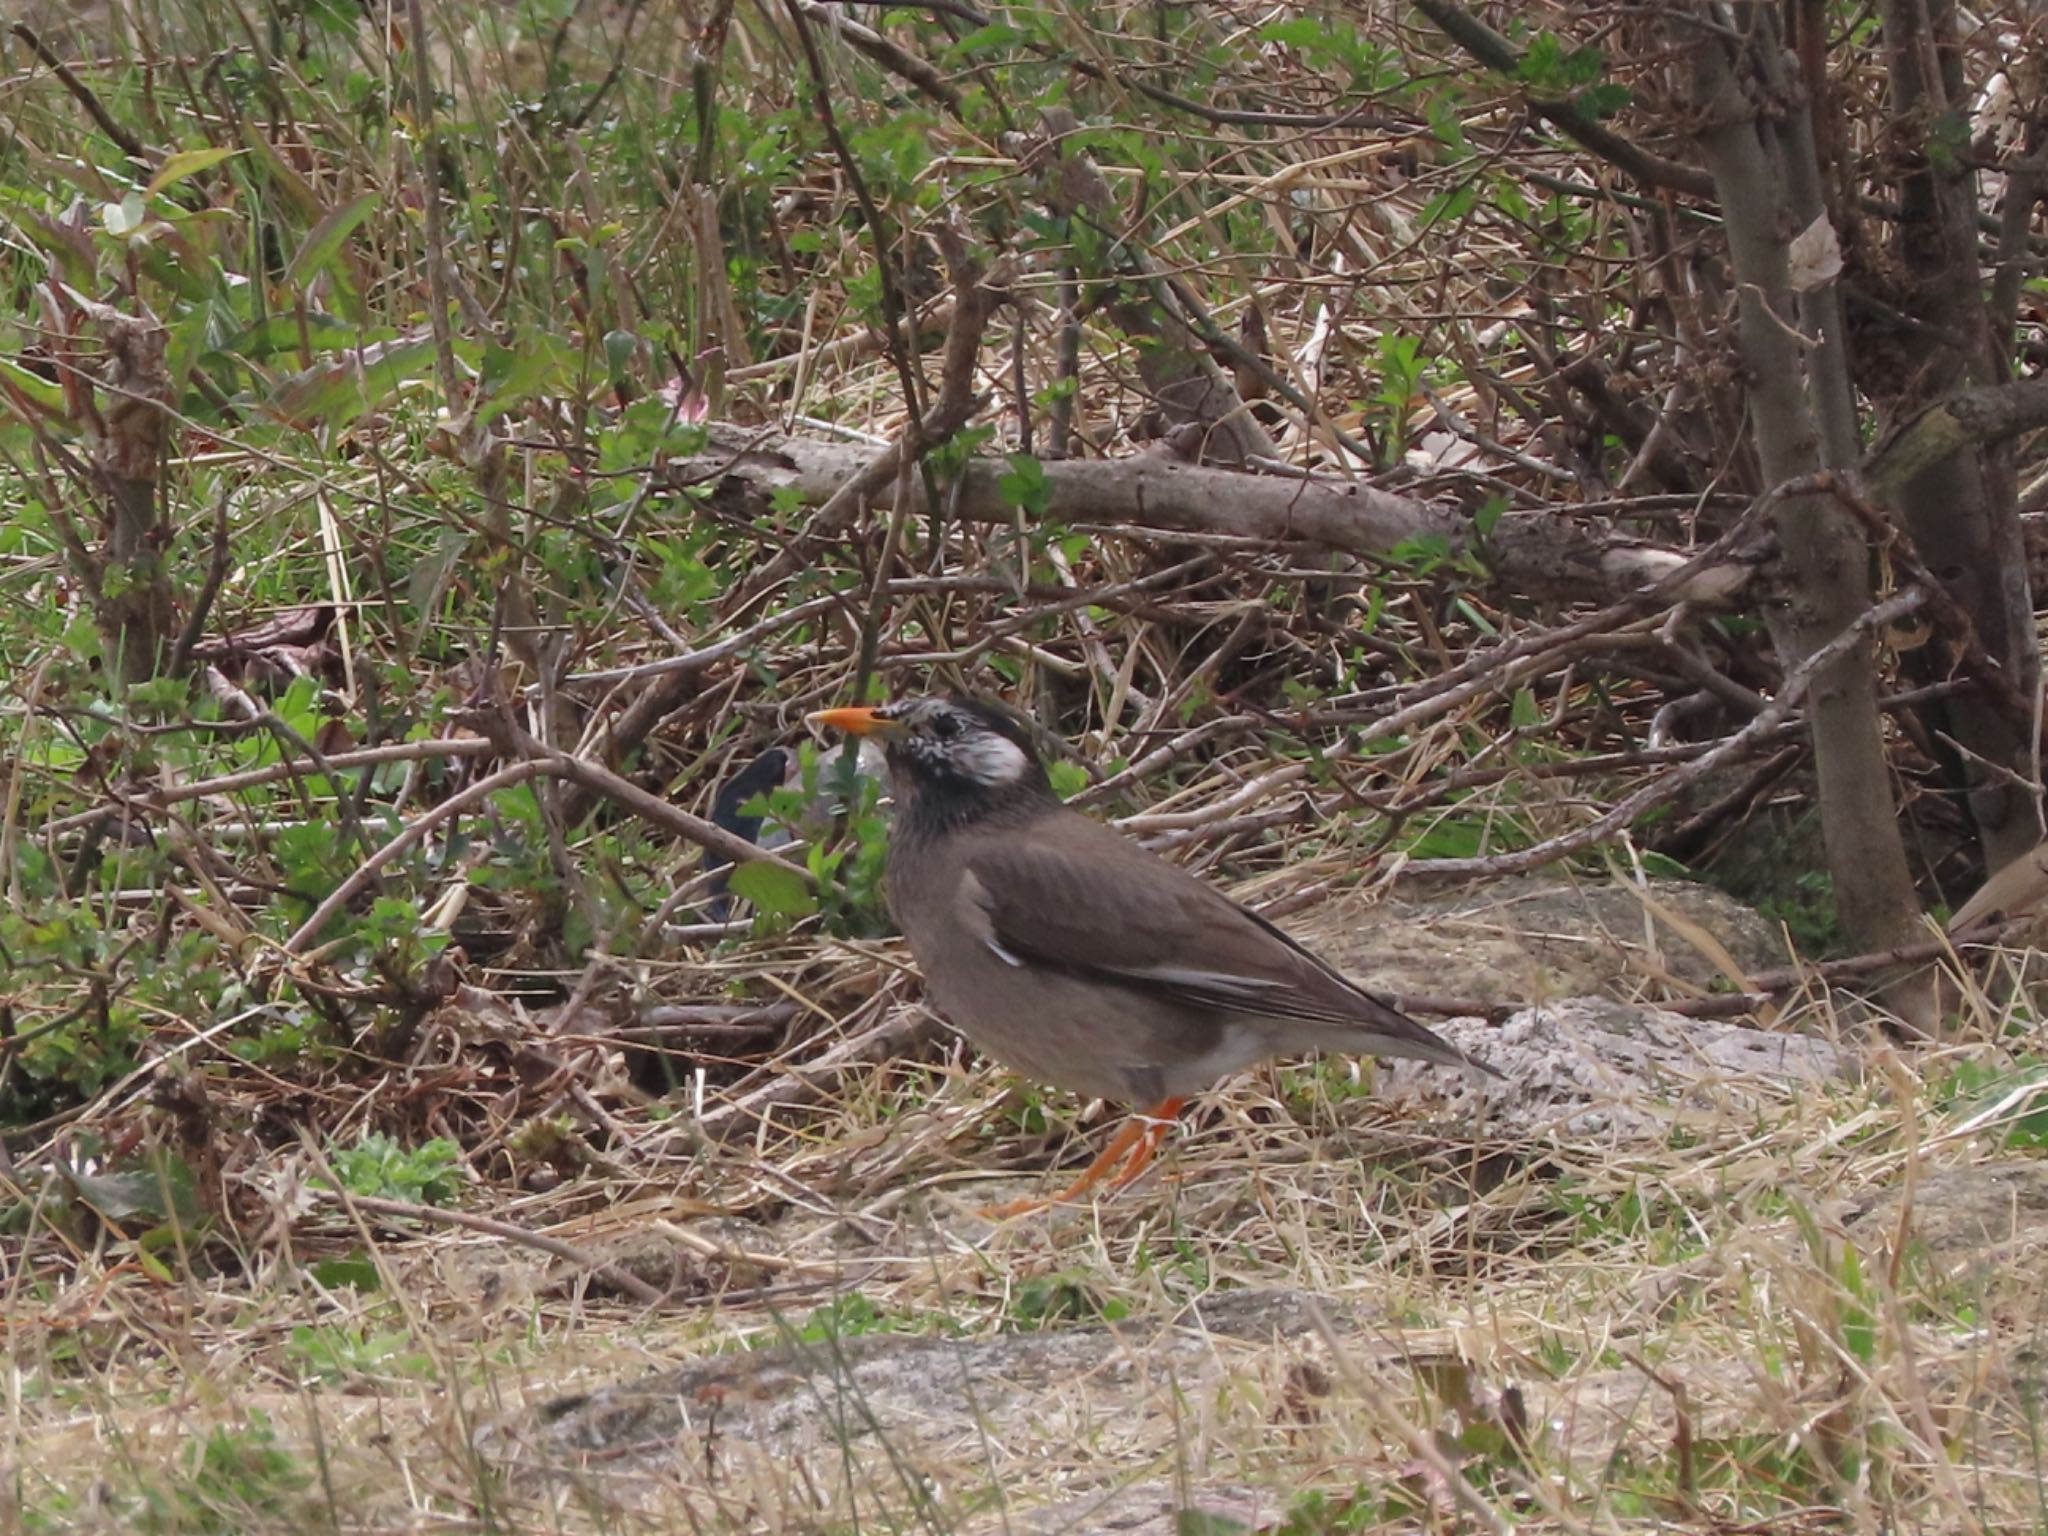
[[1073, 894]]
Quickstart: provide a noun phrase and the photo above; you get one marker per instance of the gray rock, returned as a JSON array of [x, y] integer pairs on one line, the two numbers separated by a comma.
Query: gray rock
[[911, 1410], [1142, 1509], [1993, 1213], [1588, 1067], [907, 1387], [1533, 937]]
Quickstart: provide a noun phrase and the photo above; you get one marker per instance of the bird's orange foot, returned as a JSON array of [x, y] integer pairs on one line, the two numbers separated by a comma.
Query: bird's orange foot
[[1134, 1146]]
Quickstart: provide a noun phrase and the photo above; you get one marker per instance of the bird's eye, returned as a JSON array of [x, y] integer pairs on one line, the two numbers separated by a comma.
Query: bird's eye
[[946, 727]]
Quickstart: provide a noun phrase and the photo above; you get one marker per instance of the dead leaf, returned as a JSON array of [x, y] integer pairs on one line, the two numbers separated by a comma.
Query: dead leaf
[[1815, 257]]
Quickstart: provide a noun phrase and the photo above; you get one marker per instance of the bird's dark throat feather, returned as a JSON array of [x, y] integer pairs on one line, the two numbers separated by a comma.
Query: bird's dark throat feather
[[931, 805]]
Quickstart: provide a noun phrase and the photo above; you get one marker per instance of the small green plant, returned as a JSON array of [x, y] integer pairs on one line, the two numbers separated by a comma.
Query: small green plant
[[1557, 1357], [145, 1203], [1023, 1109], [237, 1479], [1024, 486], [338, 1352], [844, 1317], [1574, 75], [83, 991], [1807, 909], [849, 870], [1452, 836], [377, 1166], [1185, 1267], [1974, 1087], [1068, 779], [1403, 369], [1315, 1513], [1068, 1296], [1324, 1083], [1661, 1224]]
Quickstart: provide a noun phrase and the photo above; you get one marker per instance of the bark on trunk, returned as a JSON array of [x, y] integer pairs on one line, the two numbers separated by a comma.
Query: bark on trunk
[[1797, 401], [135, 614], [1532, 554], [1951, 426], [1962, 509]]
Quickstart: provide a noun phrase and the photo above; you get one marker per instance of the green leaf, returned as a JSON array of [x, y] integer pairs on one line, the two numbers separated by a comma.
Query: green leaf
[[1603, 100], [987, 39], [1454, 204], [377, 1165], [1068, 779], [1445, 123], [276, 334], [323, 243], [334, 393], [354, 1271], [1474, 617], [46, 393], [1025, 487], [1543, 62], [430, 577], [513, 375], [773, 889], [1297, 32], [1483, 1439], [1859, 1323], [337, 18], [159, 1190], [620, 348], [279, 174], [1449, 840], [186, 163]]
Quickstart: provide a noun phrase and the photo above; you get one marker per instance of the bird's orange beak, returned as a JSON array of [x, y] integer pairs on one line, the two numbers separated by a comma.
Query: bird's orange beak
[[855, 721]]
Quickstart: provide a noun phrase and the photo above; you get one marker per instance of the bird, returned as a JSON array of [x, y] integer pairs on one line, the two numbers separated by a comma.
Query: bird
[[780, 768], [770, 771], [1075, 956]]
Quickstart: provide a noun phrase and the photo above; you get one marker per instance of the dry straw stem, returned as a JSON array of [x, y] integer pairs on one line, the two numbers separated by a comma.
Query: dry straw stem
[[430, 1215]]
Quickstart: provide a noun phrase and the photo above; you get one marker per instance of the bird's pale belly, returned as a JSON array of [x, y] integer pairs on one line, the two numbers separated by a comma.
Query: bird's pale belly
[[1087, 1036]]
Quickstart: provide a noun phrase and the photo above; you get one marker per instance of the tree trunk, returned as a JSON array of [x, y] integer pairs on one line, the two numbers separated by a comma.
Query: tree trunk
[[135, 615], [1754, 135], [1962, 512]]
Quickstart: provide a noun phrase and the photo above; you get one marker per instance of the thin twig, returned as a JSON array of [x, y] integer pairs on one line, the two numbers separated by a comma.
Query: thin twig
[[415, 833], [160, 797], [433, 1215], [125, 141], [202, 604], [1661, 790]]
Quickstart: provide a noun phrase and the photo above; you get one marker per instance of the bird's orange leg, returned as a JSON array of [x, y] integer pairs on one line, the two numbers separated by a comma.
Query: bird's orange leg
[[1134, 1145], [1152, 1128]]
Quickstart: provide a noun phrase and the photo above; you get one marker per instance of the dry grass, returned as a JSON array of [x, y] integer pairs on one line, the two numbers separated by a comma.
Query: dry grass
[[1708, 1333]]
